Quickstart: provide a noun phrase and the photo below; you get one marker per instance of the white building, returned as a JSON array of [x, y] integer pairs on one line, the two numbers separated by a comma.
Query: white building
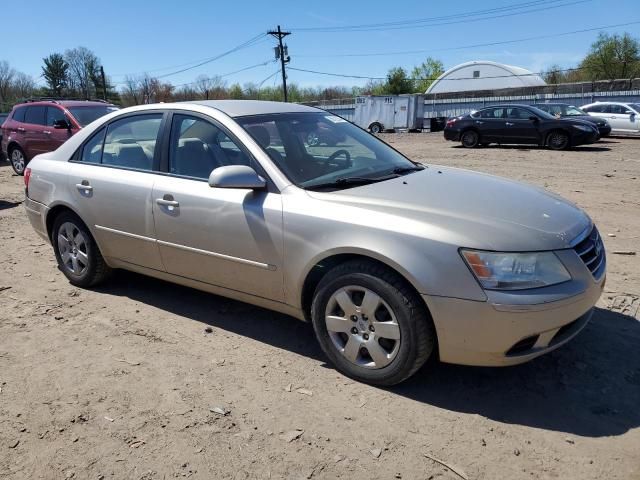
[[483, 75]]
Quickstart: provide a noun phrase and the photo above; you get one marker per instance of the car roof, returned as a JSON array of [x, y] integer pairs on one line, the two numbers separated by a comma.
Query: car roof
[[242, 108], [67, 103]]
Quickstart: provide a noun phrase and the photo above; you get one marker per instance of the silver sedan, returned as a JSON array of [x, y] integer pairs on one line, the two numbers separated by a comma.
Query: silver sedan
[[392, 261]]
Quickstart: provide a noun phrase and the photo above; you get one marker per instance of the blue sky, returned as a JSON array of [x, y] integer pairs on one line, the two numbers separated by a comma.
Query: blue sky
[[160, 37]]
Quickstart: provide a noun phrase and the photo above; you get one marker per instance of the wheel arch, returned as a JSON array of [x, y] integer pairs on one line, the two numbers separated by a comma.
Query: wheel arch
[[11, 145], [556, 129], [319, 267], [57, 209], [376, 123]]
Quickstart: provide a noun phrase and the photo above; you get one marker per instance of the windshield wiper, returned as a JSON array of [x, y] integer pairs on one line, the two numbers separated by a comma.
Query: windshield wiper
[[349, 181], [403, 170]]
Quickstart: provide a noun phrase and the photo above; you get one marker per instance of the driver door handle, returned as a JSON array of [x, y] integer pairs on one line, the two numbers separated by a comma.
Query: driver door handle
[[509, 124], [167, 203], [478, 122]]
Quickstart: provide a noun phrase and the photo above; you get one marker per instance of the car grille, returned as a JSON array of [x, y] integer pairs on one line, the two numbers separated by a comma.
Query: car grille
[[591, 251]]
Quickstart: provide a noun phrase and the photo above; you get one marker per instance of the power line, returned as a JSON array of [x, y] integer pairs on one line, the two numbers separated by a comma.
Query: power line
[[477, 45], [434, 21], [230, 73], [530, 74], [252, 41]]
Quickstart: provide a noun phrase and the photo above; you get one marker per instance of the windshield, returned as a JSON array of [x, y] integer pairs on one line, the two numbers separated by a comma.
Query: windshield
[[85, 115], [318, 150], [575, 111]]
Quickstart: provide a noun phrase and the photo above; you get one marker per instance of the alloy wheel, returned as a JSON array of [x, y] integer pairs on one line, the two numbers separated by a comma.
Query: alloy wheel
[[72, 246], [17, 160], [362, 327]]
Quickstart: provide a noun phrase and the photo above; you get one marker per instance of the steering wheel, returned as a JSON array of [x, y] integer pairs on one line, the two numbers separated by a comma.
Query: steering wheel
[[337, 153]]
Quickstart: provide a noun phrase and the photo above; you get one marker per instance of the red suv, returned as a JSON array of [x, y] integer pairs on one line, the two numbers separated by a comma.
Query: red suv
[[41, 126]]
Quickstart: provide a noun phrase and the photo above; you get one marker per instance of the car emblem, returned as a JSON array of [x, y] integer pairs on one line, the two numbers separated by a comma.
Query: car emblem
[[598, 249]]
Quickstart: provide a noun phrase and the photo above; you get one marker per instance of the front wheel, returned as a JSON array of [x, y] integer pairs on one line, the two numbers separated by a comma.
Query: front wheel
[[558, 141], [371, 325], [18, 160]]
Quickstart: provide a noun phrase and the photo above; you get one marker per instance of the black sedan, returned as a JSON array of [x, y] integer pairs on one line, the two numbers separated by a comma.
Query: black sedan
[[519, 124], [564, 110]]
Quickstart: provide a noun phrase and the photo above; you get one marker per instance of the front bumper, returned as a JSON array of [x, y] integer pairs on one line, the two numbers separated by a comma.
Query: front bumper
[[515, 327], [585, 138], [37, 214], [605, 131]]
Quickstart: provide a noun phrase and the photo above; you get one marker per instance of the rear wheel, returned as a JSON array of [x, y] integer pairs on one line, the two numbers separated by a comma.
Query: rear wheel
[[18, 160], [558, 140], [470, 139], [371, 325], [77, 253], [375, 128]]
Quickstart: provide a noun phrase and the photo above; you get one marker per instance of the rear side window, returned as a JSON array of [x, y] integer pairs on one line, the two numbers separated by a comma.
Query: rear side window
[[53, 115], [18, 114], [492, 113], [92, 150], [595, 108], [35, 115], [131, 142]]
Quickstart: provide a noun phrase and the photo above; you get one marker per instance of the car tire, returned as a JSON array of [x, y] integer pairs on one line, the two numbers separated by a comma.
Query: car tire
[[470, 139], [376, 128], [558, 140], [386, 344], [18, 160], [77, 253]]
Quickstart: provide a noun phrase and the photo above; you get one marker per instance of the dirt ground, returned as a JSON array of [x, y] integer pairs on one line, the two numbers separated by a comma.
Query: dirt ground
[[125, 382]]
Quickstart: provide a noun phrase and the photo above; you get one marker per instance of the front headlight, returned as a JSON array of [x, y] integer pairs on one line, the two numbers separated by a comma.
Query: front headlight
[[515, 271], [584, 128]]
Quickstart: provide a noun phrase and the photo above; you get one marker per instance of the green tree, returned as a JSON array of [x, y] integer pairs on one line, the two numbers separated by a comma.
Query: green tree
[[398, 82], [235, 92], [424, 74], [55, 71], [612, 57]]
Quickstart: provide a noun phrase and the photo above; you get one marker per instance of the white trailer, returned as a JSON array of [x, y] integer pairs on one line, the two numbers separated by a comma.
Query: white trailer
[[378, 113]]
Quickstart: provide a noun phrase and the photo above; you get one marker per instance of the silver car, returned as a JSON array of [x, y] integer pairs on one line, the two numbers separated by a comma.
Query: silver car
[[623, 117], [392, 261]]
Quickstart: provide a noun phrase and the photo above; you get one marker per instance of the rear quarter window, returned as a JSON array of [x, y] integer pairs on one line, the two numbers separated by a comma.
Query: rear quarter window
[[18, 114]]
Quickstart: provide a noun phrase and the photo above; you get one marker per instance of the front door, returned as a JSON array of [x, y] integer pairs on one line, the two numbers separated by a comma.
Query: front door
[[230, 238], [112, 188], [55, 136]]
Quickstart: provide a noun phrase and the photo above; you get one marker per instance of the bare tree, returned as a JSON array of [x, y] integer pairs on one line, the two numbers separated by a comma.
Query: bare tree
[[23, 85], [6, 78], [82, 73], [210, 87]]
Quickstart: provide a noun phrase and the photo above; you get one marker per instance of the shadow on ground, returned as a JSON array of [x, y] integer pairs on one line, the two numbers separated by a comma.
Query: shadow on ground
[[526, 148], [4, 204], [589, 387]]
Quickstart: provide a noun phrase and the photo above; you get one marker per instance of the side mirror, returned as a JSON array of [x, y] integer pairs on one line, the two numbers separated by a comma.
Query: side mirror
[[236, 176], [629, 112], [62, 123]]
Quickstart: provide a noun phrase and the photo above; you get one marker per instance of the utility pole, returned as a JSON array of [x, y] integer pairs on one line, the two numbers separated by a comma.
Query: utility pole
[[104, 84], [282, 53]]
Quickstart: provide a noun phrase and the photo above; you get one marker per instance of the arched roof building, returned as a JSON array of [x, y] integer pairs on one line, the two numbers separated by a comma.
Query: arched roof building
[[483, 75]]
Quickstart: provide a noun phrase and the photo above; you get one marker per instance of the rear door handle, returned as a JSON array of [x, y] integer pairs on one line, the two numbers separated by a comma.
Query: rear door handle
[[84, 187], [478, 122], [509, 124], [20, 129], [46, 132]]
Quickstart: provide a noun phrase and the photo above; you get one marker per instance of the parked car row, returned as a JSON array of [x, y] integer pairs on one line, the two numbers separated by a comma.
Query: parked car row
[[554, 125], [36, 127]]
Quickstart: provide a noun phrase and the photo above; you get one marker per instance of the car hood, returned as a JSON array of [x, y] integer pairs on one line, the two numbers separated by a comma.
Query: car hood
[[468, 209], [586, 118]]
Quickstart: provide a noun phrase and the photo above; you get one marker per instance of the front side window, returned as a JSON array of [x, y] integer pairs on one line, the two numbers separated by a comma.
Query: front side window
[[320, 150], [131, 142], [35, 115], [53, 115], [198, 147], [518, 114], [492, 113], [617, 109]]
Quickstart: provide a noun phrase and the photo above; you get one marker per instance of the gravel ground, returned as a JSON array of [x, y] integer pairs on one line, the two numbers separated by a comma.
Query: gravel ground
[[143, 379]]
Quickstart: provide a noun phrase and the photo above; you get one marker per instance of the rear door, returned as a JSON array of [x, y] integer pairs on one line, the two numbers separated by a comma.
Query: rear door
[[112, 182], [55, 136], [491, 124], [519, 128], [35, 141]]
